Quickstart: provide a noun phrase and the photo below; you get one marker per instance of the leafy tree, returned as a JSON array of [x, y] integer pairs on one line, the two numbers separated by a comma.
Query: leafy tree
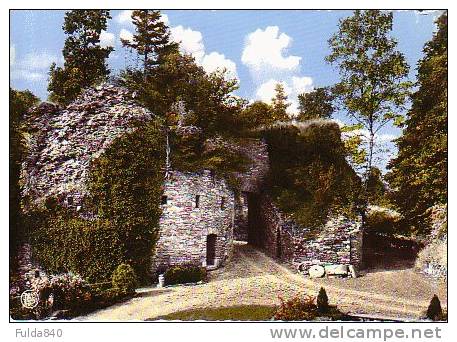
[[372, 72], [85, 60], [316, 104], [20, 102], [208, 99], [280, 104], [418, 175], [257, 114], [152, 38], [376, 190]]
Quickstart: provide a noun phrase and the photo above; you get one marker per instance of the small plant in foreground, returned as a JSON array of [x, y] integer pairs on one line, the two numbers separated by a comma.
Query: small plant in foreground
[[124, 279], [299, 308], [434, 311]]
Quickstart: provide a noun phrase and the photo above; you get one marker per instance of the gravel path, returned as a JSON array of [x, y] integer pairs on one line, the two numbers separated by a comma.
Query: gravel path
[[251, 277]]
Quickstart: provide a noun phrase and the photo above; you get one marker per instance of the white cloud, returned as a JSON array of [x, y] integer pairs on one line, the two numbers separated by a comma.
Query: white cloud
[[302, 84], [266, 55], [125, 17], [191, 42], [126, 35], [215, 61], [12, 55], [265, 50], [106, 39]]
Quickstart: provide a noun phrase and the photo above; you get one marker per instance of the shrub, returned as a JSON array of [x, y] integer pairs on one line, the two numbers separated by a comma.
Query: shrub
[[184, 274], [434, 311], [309, 176], [124, 279], [125, 185], [64, 242], [322, 301], [297, 309]]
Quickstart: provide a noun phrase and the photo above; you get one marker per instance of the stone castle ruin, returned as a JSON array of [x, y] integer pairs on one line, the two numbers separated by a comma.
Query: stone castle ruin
[[201, 214]]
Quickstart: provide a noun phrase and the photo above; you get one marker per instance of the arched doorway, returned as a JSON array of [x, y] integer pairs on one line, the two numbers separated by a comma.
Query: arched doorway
[[211, 249]]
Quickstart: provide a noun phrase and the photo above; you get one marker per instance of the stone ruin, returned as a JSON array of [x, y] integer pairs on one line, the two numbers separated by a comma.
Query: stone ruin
[[201, 214]]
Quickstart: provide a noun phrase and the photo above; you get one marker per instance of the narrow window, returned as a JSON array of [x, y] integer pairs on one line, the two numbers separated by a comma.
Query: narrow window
[[197, 201], [223, 203], [70, 200], [164, 200]]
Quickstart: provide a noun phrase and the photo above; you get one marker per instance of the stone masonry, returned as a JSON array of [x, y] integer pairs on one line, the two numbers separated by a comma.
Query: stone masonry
[[339, 241], [194, 206], [63, 142]]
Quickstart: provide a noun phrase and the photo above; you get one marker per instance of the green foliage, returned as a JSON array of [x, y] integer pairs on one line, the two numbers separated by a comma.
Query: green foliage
[[316, 104], [309, 175], [125, 185], [376, 190], [20, 102], [184, 274], [151, 39], [208, 98], [382, 222], [418, 174], [63, 242], [434, 310], [353, 141], [124, 279], [371, 86], [280, 104], [322, 301], [256, 115], [85, 60]]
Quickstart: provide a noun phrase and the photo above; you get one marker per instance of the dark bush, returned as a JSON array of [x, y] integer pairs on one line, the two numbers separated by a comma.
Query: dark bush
[[322, 301], [184, 274], [124, 279], [297, 309], [434, 311]]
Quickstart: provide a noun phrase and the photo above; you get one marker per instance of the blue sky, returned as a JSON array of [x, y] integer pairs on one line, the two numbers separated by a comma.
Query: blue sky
[[259, 47]]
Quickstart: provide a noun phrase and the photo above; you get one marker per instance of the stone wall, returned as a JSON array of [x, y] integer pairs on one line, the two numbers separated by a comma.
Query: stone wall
[[184, 227], [339, 241], [63, 142]]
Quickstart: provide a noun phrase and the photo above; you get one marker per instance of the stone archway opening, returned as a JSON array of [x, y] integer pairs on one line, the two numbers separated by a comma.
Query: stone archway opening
[[253, 226], [211, 249]]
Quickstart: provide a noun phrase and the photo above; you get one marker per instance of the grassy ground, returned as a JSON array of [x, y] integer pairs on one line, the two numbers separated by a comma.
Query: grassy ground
[[233, 313]]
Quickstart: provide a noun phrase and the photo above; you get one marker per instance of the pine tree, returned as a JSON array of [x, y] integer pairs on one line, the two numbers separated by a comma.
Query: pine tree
[[152, 38], [418, 174], [280, 104], [84, 58]]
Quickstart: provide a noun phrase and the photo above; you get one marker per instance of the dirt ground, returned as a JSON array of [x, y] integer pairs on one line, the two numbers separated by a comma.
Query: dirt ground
[[252, 278]]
